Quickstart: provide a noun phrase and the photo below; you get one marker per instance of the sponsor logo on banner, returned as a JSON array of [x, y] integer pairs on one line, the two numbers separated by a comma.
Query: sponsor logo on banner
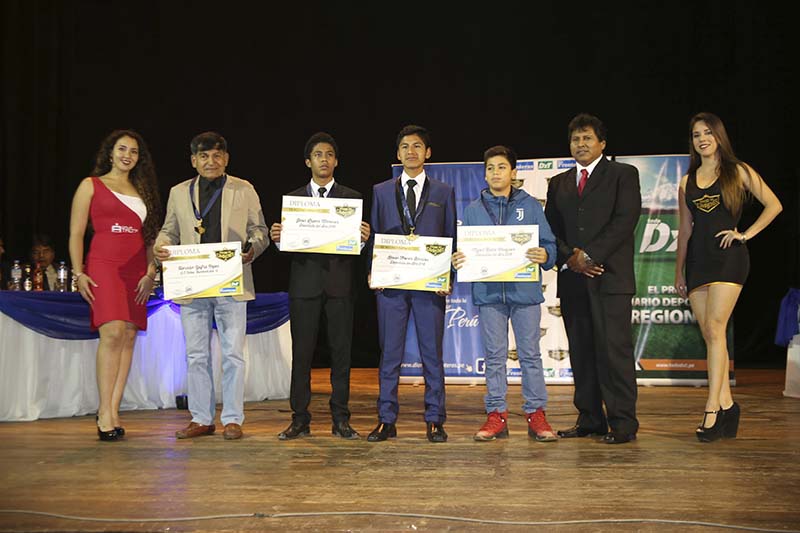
[[521, 238], [658, 236], [225, 255], [457, 317], [480, 366], [345, 211], [435, 249], [525, 165], [568, 163], [545, 165]]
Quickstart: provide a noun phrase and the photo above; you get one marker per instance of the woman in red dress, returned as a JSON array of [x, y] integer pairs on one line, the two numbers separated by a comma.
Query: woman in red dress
[[121, 199]]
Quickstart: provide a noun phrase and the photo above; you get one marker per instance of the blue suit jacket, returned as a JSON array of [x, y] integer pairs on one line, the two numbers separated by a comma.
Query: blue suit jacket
[[437, 219]]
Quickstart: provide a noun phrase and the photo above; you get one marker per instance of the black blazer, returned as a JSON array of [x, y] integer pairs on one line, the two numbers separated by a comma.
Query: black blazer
[[601, 222], [314, 274]]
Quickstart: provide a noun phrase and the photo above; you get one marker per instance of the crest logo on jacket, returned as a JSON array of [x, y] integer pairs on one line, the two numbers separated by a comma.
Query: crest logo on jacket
[[521, 238], [520, 213]]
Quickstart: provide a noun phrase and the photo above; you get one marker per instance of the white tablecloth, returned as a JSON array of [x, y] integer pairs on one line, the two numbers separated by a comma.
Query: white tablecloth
[[42, 377]]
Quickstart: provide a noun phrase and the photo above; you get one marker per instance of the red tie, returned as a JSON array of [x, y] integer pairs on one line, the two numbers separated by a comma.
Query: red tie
[[582, 183]]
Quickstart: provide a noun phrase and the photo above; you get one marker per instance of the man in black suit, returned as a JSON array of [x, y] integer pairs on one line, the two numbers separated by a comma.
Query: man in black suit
[[593, 210], [317, 283]]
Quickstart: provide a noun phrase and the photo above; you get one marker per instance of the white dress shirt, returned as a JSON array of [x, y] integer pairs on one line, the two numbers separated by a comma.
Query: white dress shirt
[[420, 179], [315, 188]]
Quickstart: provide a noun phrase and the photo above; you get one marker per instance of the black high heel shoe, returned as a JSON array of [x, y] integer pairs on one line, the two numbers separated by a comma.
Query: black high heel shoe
[[731, 425], [713, 433], [105, 435]]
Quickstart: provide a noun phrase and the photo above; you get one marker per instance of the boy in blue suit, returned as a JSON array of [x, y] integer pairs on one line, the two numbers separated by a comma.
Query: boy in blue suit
[[519, 301], [413, 203]]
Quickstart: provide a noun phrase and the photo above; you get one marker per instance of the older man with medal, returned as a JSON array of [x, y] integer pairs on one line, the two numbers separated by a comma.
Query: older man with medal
[[412, 205], [214, 207]]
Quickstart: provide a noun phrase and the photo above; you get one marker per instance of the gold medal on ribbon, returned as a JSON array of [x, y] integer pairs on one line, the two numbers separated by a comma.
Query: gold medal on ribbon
[[411, 236], [199, 228]]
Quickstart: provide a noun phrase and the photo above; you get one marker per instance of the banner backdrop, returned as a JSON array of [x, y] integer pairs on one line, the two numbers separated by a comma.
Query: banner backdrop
[[668, 345], [669, 348]]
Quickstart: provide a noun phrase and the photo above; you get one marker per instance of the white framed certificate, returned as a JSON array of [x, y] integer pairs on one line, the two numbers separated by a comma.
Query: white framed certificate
[[497, 253], [203, 270], [321, 225], [411, 262]]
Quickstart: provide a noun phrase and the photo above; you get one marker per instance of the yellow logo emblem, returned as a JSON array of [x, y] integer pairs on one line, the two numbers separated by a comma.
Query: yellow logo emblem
[[707, 203], [435, 249], [224, 255], [521, 238]]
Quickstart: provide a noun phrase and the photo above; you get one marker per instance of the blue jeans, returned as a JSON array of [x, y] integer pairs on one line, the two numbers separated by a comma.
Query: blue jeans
[[494, 329], [197, 318]]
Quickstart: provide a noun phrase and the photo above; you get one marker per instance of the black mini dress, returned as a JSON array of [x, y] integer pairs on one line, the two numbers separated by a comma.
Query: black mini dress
[[706, 262]]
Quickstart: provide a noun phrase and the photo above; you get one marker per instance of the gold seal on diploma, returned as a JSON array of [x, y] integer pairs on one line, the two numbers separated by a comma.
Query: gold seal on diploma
[[435, 249]]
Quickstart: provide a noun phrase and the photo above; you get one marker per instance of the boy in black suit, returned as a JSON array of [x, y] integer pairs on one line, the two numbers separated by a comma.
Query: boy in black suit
[[321, 283]]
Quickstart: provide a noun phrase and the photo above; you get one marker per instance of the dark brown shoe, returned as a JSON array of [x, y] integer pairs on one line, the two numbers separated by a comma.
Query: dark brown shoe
[[194, 430], [232, 431]]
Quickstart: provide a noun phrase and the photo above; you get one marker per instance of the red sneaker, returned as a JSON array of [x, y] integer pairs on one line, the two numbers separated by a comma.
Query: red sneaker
[[494, 428], [538, 428]]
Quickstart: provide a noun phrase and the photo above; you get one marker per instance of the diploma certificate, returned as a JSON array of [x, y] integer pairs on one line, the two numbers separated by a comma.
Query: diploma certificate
[[203, 270], [411, 262], [321, 225], [497, 253]]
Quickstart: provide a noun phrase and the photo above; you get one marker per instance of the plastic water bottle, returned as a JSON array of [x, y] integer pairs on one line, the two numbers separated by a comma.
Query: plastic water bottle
[[62, 274], [16, 276]]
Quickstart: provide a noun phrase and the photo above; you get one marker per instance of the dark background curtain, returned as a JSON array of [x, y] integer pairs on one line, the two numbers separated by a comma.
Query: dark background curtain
[[269, 76]]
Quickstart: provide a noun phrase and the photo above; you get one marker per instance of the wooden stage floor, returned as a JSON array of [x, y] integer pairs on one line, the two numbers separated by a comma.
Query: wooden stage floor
[[326, 484]]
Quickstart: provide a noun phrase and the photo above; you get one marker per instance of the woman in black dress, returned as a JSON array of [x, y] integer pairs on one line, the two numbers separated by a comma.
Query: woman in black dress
[[712, 260]]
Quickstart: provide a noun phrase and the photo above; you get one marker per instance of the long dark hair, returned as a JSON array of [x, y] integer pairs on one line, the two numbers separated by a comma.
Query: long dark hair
[[733, 192], [142, 176]]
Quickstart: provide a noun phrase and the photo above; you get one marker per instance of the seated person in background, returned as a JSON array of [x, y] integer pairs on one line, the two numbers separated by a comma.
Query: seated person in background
[[43, 252]]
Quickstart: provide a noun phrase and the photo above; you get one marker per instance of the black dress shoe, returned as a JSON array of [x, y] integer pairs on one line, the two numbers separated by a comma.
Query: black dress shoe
[[730, 423], [107, 436], [343, 430], [120, 431], [715, 432], [578, 431], [618, 438], [295, 431], [436, 432], [382, 432]]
